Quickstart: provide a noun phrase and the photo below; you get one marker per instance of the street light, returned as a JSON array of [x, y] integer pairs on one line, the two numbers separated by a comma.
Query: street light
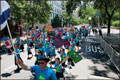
[[90, 18]]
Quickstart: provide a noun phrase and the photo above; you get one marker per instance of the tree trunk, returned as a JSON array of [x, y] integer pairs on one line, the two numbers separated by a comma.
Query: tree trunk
[[109, 24]]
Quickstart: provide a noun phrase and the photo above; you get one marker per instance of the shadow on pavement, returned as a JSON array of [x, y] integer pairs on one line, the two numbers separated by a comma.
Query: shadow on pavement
[[11, 73], [71, 77], [105, 61]]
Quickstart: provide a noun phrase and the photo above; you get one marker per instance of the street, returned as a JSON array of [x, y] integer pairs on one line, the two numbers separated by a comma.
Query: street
[[93, 66]]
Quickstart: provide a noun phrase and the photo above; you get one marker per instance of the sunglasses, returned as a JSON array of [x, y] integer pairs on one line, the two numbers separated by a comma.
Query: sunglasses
[[41, 63]]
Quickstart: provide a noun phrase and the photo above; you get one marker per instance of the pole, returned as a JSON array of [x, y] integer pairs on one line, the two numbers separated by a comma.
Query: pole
[[98, 23], [10, 36]]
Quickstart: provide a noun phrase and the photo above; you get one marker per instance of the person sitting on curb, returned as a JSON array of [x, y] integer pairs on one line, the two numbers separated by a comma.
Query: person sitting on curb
[[42, 72]]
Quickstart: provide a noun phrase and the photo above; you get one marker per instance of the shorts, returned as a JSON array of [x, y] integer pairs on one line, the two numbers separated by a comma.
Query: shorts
[[29, 52], [59, 75], [77, 44], [9, 51], [36, 47], [31, 44], [22, 47]]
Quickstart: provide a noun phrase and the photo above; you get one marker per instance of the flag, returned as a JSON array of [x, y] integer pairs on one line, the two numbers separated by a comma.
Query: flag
[[4, 13], [76, 57]]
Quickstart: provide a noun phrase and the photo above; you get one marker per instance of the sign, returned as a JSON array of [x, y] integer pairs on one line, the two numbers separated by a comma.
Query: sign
[[58, 42], [38, 34], [74, 56], [97, 14], [66, 43]]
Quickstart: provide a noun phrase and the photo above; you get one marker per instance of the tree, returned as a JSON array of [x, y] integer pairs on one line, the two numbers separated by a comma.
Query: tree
[[30, 12], [56, 22], [69, 19], [108, 6]]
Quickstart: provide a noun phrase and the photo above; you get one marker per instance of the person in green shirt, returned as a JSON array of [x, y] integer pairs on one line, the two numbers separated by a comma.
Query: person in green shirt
[[59, 70]]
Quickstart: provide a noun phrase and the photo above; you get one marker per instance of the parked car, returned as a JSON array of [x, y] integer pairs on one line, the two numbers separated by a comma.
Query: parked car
[[104, 26]]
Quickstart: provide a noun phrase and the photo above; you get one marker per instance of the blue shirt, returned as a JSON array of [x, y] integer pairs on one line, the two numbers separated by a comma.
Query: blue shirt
[[22, 42], [63, 54], [52, 51], [39, 57], [41, 49], [47, 49], [58, 69], [40, 74], [17, 39], [28, 41], [70, 48], [73, 43], [28, 49], [17, 51], [76, 39], [33, 34]]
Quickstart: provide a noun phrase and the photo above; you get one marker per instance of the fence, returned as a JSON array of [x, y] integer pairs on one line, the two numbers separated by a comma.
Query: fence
[[113, 55]]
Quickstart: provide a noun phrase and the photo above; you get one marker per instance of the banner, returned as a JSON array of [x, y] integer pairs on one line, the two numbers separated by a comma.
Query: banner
[[38, 34], [66, 43], [76, 57], [58, 42], [5, 38]]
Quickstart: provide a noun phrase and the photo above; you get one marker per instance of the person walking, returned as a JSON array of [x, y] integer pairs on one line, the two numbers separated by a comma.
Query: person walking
[[42, 71]]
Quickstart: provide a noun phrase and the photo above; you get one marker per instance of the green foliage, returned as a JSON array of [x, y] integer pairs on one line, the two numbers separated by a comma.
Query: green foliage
[[116, 23], [86, 12], [69, 19], [56, 22], [30, 12]]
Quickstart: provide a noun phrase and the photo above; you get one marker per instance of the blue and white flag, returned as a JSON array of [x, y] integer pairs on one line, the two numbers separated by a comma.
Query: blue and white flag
[[4, 13]]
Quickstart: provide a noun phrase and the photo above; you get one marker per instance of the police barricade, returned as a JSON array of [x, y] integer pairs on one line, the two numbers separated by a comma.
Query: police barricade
[[113, 55], [116, 59]]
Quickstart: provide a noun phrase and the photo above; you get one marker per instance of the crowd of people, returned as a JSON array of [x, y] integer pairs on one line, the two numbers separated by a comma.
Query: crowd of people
[[45, 51]]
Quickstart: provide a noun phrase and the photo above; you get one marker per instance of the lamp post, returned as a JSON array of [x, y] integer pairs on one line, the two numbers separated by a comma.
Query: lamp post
[[90, 18]]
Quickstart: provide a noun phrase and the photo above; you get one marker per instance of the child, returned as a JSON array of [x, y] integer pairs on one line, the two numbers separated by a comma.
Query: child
[[58, 67], [47, 48], [18, 41], [22, 45], [72, 42], [39, 56], [17, 55], [63, 55], [77, 41], [29, 51], [52, 50]]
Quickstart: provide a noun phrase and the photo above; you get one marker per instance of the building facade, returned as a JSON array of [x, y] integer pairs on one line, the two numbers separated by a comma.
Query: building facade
[[56, 9]]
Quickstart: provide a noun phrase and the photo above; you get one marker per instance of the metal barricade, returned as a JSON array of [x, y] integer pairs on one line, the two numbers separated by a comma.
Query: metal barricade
[[113, 55]]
